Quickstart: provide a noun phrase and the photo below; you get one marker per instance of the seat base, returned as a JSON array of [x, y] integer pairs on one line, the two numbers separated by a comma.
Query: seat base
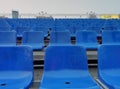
[[68, 79], [15, 79]]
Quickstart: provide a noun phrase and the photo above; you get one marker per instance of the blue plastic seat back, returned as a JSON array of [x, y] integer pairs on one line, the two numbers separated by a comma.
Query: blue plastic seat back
[[109, 65], [43, 29], [72, 30], [16, 58], [109, 37], [7, 38], [60, 37], [86, 37], [65, 57], [21, 30], [33, 37], [60, 28], [109, 57], [96, 29]]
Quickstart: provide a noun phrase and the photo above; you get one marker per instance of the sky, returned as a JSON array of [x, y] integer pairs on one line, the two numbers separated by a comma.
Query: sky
[[60, 6]]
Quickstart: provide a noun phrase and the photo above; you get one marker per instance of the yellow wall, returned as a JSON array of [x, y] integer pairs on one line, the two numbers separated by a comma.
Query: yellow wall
[[109, 16]]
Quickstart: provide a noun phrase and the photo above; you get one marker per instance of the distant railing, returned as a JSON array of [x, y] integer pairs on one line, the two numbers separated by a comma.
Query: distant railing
[[30, 15], [59, 15]]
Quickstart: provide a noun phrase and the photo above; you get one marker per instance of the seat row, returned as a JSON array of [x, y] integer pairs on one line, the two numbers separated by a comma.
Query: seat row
[[65, 67], [23, 24], [88, 39], [34, 39], [96, 25], [46, 24]]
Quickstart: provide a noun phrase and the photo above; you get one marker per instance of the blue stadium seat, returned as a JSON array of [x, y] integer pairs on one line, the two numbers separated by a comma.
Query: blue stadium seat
[[43, 29], [96, 29], [88, 39], [60, 38], [72, 30], [111, 37], [34, 39], [66, 68], [16, 67], [109, 65], [7, 38], [21, 30], [59, 28]]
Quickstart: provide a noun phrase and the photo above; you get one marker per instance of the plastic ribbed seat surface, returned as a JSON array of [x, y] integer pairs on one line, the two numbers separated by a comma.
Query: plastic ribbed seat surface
[[66, 68], [16, 67]]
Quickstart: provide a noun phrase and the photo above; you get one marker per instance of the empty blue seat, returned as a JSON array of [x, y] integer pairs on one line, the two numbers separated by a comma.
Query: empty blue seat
[[7, 38], [111, 37], [21, 30], [16, 67], [72, 30], [34, 39], [60, 38], [59, 28], [109, 65], [43, 29], [97, 29], [66, 68], [88, 39]]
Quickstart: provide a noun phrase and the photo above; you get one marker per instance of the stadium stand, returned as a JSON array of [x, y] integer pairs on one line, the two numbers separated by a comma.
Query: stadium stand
[[28, 24], [7, 38], [16, 67], [88, 39], [108, 65], [34, 39], [45, 24], [75, 25], [97, 27], [60, 32], [60, 38], [66, 68], [110, 24]]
